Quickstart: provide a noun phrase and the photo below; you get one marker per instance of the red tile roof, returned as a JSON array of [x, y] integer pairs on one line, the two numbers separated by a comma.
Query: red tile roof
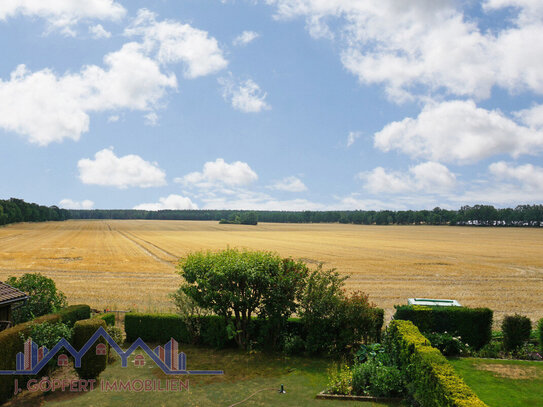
[[8, 294]]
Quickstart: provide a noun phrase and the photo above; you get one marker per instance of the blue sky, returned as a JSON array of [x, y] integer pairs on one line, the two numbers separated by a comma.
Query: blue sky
[[271, 104]]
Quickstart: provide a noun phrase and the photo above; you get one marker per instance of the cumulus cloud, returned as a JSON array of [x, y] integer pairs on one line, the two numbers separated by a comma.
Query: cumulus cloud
[[532, 117], [174, 42], [245, 96], [245, 38], [289, 184], [170, 202], [458, 131], [71, 204], [220, 173], [122, 172], [63, 14], [99, 32], [46, 107], [429, 177], [529, 176], [406, 45]]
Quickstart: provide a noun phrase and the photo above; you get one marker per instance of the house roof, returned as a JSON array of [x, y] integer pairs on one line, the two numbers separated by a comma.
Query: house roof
[[8, 294]]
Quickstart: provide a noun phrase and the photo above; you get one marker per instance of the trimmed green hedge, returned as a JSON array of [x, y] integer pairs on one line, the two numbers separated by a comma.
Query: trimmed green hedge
[[109, 317], [213, 331], [473, 325], [431, 379], [91, 364], [11, 343], [540, 334], [70, 315]]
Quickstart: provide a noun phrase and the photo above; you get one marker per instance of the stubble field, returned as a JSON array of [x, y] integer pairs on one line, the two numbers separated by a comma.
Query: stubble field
[[131, 264]]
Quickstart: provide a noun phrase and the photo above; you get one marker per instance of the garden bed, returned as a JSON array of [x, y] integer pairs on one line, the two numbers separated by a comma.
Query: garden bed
[[325, 396]]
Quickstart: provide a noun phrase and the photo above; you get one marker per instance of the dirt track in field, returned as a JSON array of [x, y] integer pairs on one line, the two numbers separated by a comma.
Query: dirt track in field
[[131, 264]]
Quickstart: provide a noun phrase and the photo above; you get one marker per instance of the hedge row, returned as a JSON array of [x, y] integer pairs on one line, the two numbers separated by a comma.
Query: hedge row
[[109, 317], [473, 325], [431, 379], [212, 330], [92, 364], [540, 334], [11, 343]]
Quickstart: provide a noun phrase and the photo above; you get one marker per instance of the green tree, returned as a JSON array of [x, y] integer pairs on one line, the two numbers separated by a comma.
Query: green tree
[[239, 284], [44, 298]]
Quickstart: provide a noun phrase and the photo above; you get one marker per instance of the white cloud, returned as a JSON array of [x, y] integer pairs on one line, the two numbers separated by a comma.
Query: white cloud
[[244, 96], [170, 202], [63, 14], [532, 117], [406, 44], [46, 107], [129, 171], [175, 42], [70, 204], [351, 138], [99, 32], [458, 131], [529, 176], [245, 38], [113, 118], [429, 177], [249, 200], [289, 184], [220, 173]]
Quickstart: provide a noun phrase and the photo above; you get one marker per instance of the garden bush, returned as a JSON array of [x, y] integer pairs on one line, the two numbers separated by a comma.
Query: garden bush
[[448, 345], [91, 363], [375, 379], [472, 325], [516, 331], [108, 317], [430, 379], [11, 343], [70, 315], [48, 334], [540, 334]]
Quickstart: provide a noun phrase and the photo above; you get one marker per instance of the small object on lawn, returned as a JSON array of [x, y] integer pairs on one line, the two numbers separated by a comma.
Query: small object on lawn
[[282, 390]]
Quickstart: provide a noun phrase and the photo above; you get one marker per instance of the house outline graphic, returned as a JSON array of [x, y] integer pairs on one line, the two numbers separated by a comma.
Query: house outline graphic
[[34, 359]]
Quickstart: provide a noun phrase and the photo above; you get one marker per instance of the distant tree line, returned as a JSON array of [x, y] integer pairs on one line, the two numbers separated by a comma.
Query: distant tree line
[[16, 210], [477, 215]]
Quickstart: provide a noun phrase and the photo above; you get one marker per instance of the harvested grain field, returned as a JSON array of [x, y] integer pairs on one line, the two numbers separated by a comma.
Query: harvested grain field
[[131, 264]]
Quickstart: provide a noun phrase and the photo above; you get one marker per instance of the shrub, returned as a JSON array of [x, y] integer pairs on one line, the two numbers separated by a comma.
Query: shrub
[[117, 335], [375, 379], [430, 379], [108, 317], [293, 345], [540, 334], [490, 350], [334, 322], [44, 298], [48, 334], [91, 363], [70, 315], [473, 325], [516, 331], [11, 343], [340, 380], [448, 345]]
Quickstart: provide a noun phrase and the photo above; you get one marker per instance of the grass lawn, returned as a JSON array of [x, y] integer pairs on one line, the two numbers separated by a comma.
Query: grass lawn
[[503, 383], [244, 374]]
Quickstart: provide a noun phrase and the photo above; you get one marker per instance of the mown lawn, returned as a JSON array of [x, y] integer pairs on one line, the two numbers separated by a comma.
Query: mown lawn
[[503, 383], [244, 374]]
